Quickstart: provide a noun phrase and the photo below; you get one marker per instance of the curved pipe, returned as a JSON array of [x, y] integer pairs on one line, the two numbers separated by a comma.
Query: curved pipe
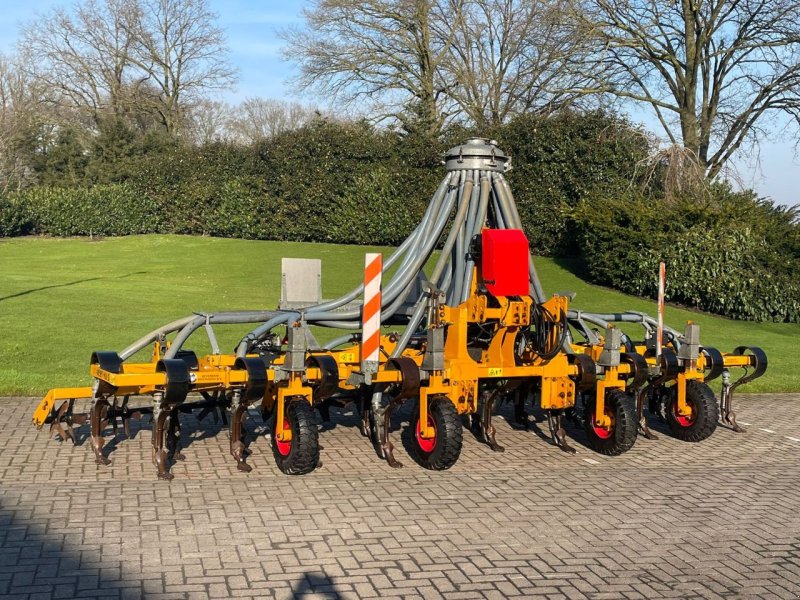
[[509, 207], [226, 318], [409, 242], [436, 274], [323, 315]]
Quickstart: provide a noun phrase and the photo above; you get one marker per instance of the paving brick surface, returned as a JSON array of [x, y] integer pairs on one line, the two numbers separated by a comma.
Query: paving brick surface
[[719, 519]]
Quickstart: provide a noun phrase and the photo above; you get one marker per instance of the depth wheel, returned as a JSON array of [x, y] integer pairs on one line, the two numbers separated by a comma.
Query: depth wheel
[[705, 413], [620, 407], [442, 450], [299, 455]]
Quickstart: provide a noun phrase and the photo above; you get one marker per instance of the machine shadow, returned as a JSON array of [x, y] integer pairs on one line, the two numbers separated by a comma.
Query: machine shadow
[[316, 584], [69, 284], [194, 429], [35, 564]]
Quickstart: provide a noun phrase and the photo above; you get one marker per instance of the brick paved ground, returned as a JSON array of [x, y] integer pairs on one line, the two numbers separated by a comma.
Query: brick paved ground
[[720, 519]]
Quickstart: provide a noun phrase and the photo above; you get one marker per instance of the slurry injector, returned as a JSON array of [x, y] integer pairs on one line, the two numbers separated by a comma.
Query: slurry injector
[[452, 338]]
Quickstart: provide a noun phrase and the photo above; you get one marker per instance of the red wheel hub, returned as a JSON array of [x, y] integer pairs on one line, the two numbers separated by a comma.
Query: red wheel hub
[[602, 432], [284, 447], [684, 420], [426, 444]]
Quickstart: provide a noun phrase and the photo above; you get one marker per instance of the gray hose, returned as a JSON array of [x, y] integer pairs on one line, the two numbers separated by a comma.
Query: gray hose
[[323, 315], [473, 228], [474, 202], [480, 220], [396, 285], [457, 249], [436, 274], [422, 231], [244, 316], [442, 261], [510, 209], [413, 325], [447, 279], [335, 343], [400, 251], [195, 323], [251, 338], [603, 319], [393, 292], [153, 336]]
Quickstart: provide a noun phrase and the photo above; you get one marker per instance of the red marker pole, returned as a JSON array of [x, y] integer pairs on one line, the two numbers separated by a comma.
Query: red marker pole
[[660, 331]]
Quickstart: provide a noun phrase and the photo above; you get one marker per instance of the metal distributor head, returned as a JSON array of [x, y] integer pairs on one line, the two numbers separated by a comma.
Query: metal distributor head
[[477, 153]]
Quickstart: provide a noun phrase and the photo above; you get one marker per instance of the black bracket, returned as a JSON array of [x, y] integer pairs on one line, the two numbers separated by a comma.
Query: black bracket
[[715, 363], [178, 381], [256, 377], [587, 371], [329, 375], [638, 368]]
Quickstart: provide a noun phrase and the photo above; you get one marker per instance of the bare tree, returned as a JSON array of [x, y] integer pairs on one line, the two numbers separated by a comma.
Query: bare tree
[[386, 53], [107, 56], [181, 51], [509, 57], [83, 55], [712, 71], [257, 119], [208, 121], [18, 107]]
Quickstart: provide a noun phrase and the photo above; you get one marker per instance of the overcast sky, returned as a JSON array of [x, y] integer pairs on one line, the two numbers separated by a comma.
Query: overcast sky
[[251, 27]]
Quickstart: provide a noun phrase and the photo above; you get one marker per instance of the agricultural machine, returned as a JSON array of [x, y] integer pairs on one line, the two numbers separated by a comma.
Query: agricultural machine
[[477, 328]]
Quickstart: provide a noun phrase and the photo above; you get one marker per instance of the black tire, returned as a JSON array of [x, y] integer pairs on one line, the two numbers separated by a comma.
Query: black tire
[[705, 413], [621, 407], [301, 454], [443, 452]]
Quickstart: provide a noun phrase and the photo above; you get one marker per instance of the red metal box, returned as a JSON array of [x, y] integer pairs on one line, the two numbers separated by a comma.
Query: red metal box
[[504, 262]]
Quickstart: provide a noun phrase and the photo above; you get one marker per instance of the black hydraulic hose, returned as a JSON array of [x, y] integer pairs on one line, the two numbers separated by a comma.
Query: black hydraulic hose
[[545, 325]]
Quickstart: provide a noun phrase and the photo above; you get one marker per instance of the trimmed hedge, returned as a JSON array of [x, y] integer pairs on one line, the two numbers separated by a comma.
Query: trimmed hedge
[[99, 210], [15, 217], [341, 182], [715, 262], [559, 160]]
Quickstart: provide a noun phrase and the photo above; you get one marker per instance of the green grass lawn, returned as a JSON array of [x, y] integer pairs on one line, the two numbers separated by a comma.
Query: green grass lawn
[[60, 299]]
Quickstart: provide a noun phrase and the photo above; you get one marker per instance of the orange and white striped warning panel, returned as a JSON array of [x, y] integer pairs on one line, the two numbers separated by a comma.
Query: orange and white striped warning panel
[[371, 314]]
